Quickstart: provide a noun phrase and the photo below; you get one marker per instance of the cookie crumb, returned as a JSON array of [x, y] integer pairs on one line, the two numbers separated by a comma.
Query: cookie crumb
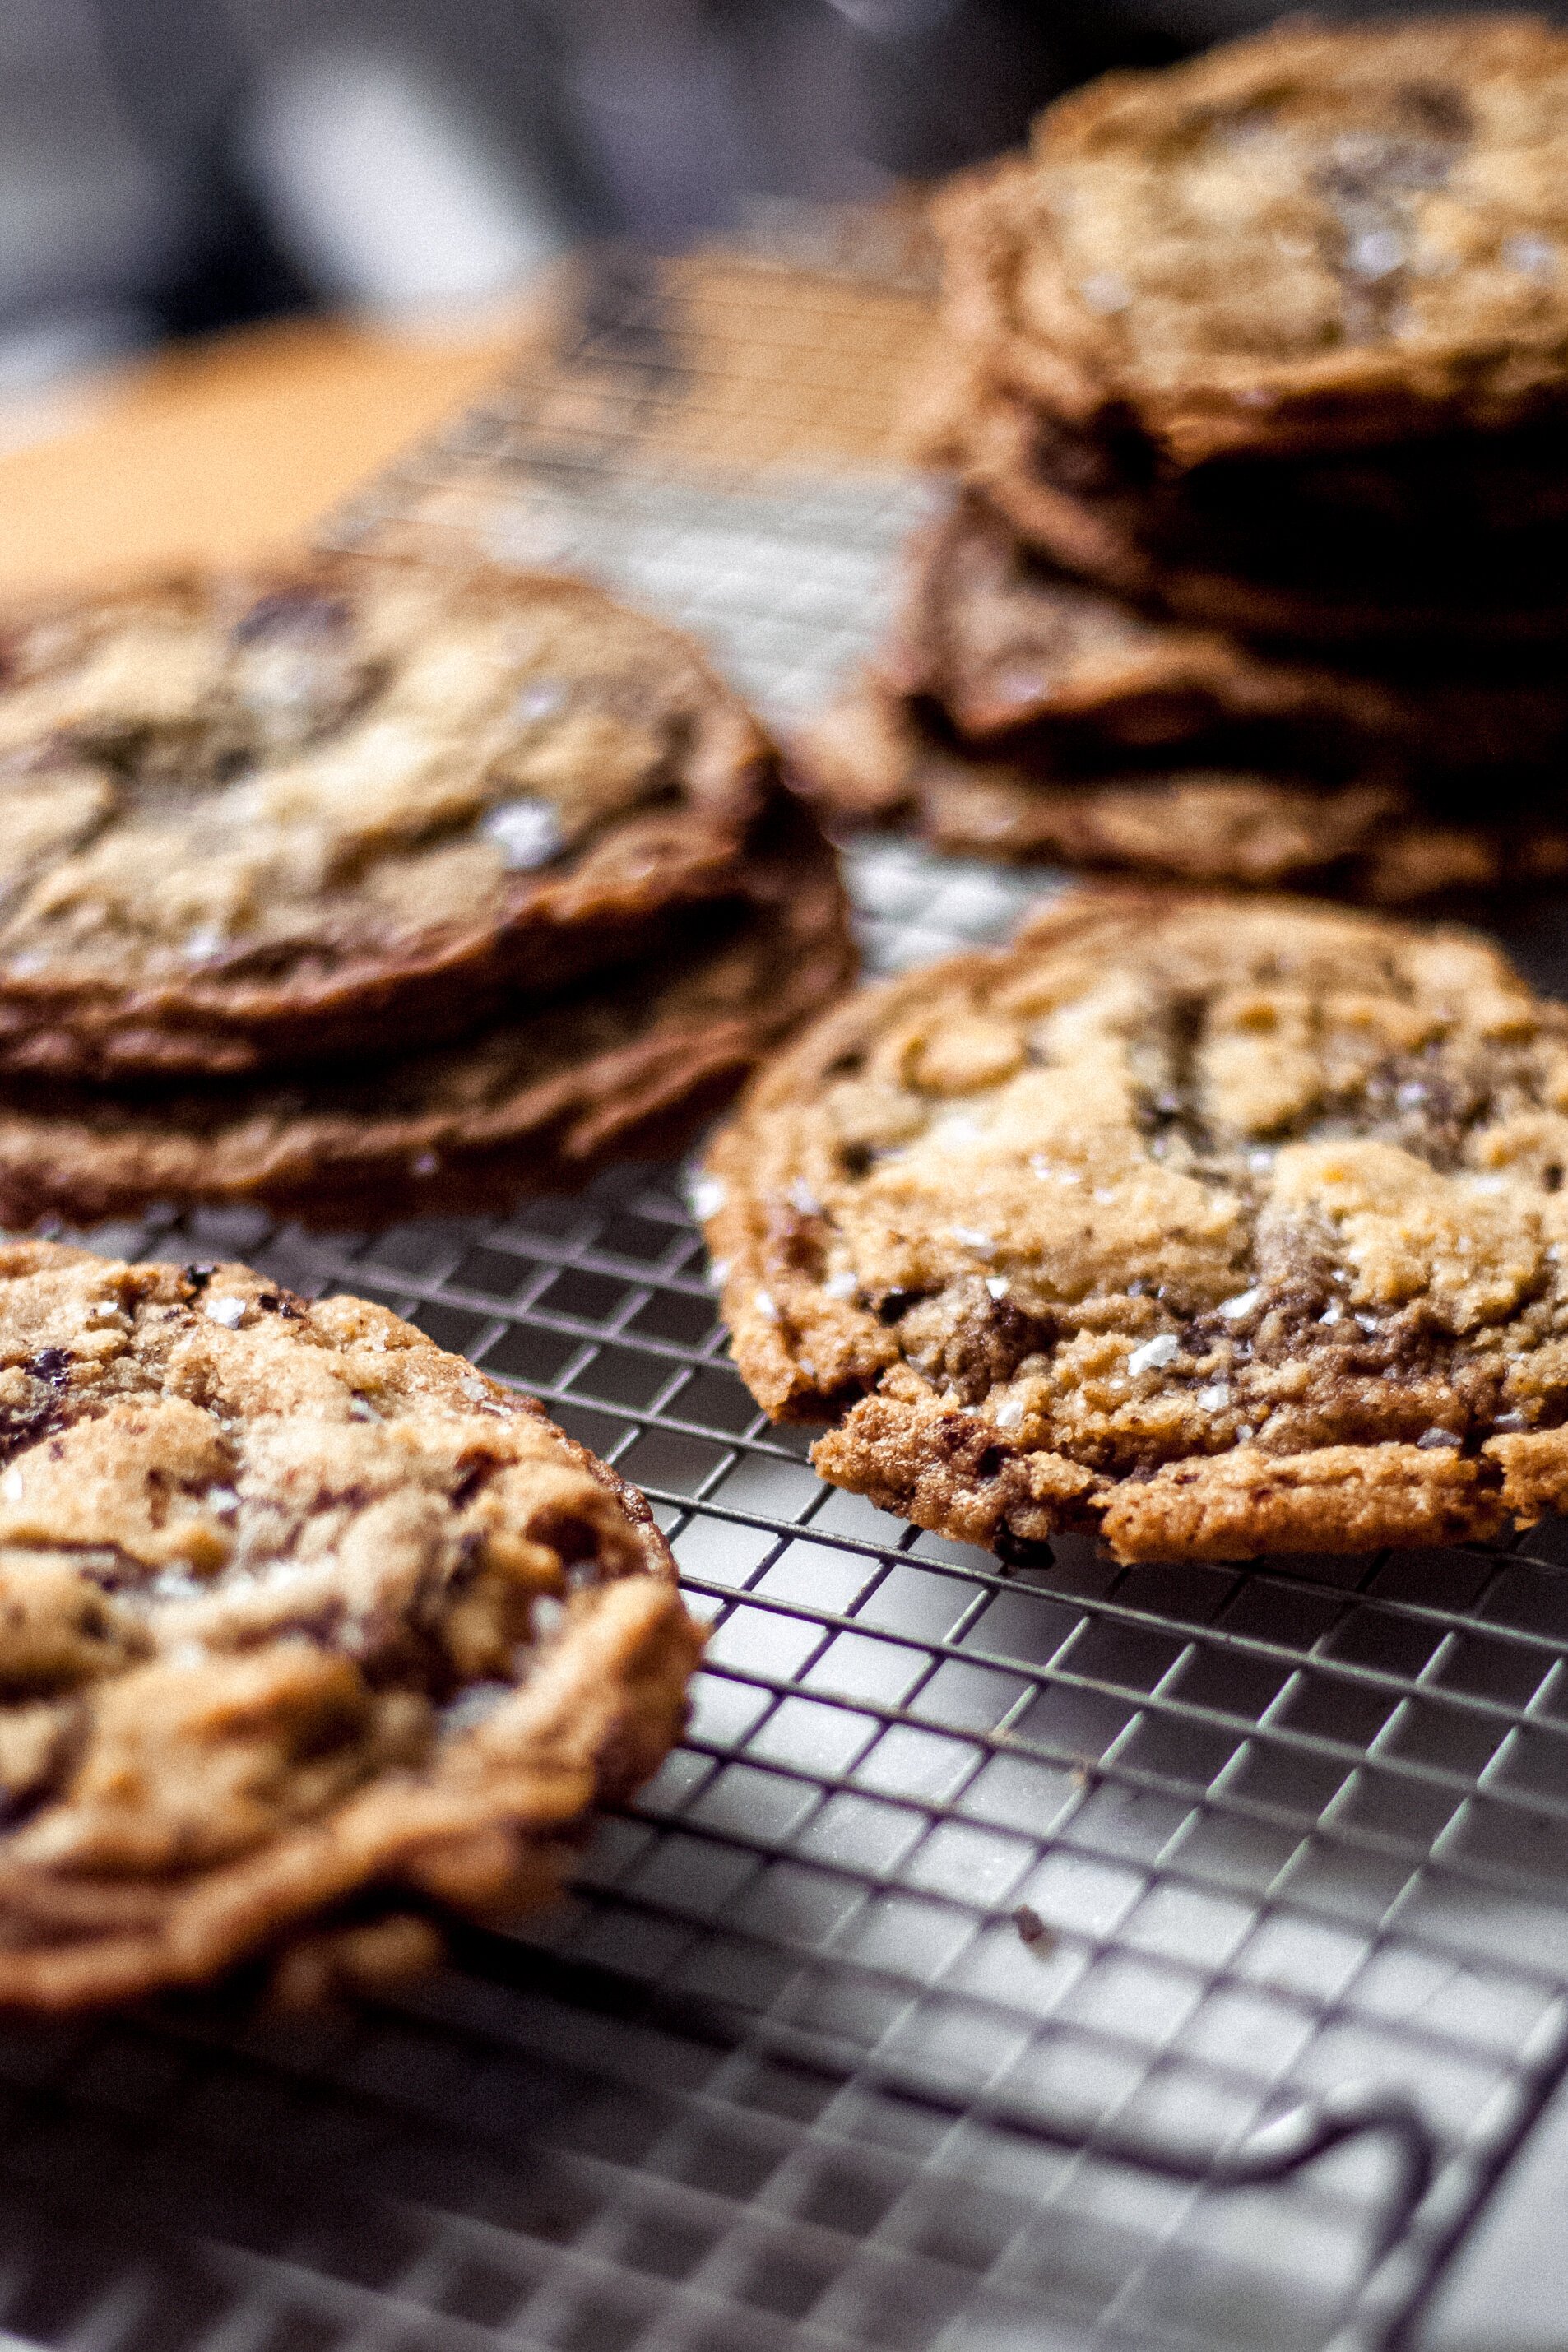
[[1033, 1931]]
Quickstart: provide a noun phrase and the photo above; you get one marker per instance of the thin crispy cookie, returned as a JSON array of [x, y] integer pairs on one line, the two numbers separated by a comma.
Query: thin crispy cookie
[[266, 822], [1006, 644], [871, 760], [627, 1065], [308, 1630], [1219, 1228], [1317, 237], [1371, 582]]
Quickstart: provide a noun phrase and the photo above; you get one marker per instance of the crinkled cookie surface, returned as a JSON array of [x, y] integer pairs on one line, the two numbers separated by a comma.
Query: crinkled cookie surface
[[249, 820], [1314, 237], [1221, 1228], [306, 1629]]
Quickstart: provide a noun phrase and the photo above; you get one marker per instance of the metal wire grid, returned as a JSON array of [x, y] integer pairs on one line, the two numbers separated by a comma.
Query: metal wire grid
[[1147, 1854], [1283, 1828], [641, 447]]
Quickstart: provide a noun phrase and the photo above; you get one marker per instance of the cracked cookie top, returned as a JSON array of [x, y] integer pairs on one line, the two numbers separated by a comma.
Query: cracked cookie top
[[302, 1622], [1221, 1227], [245, 821], [1313, 238]]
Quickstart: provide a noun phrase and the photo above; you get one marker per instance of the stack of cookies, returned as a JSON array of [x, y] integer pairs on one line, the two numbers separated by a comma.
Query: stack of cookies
[[1255, 374], [374, 885]]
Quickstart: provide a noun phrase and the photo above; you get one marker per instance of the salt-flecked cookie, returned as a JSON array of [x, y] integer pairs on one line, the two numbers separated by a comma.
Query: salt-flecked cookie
[[249, 822], [871, 759], [1239, 558], [1221, 1228], [306, 1630], [1316, 238], [1006, 645], [628, 1064]]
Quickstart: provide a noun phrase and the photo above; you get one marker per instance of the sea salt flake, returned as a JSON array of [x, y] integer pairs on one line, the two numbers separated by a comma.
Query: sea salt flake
[[1233, 1309], [765, 1305], [705, 1196], [1018, 685], [174, 1584], [1489, 1183], [1532, 256], [229, 1312], [1375, 253], [1155, 1354], [843, 1284], [205, 940], [1330, 1313], [997, 1284], [1410, 1094], [803, 1199], [527, 833], [544, 699], [548, 1615], [1215, 1398], [11, 1487], [1105, 293], [1009, 1413], [1245, 1431], [971, 1238], [474, 1705], [1433, 1438]]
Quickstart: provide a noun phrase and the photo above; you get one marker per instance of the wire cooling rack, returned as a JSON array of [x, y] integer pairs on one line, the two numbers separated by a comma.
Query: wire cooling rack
[[1007, 1962]]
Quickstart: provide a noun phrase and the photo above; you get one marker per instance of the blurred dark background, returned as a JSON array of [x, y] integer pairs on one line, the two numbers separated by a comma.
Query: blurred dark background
[[168, 166]]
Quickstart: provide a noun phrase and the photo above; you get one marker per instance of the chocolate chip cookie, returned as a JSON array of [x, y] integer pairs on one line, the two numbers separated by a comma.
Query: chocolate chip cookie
[[259, 822], [1218, 1227], [871, 759], [1010, 647], [1274, 549], [308, 1630], [626, 1065], [1318, 238]]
